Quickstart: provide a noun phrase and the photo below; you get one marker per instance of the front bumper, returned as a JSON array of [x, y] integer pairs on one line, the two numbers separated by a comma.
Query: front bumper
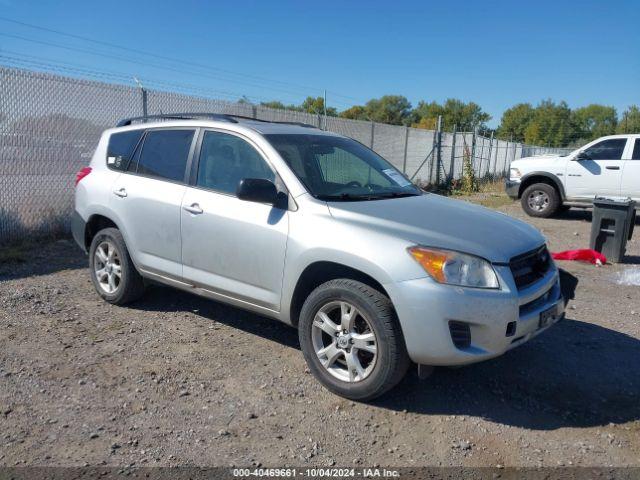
[[512, 187], [498, 320]]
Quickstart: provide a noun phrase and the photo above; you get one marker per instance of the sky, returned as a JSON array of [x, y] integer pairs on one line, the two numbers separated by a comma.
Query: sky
[[495, 53]]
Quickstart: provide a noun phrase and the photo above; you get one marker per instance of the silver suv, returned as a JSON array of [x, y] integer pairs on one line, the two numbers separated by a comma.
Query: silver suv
[[315, 230]]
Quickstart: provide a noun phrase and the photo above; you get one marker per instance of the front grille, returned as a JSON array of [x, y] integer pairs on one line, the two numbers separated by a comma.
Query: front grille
[[460, 334], [530, 267]]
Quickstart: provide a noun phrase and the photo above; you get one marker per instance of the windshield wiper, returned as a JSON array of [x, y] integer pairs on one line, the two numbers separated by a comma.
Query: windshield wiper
[[349, 197]]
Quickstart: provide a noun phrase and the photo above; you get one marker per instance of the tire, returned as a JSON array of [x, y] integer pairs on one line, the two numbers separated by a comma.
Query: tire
[[373, 314], [126, 288], [540, 200]]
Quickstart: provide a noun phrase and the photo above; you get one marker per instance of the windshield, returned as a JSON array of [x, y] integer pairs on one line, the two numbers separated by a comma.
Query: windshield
[[337, 168]]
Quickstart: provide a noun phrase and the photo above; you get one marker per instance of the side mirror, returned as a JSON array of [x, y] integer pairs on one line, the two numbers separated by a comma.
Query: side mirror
[[257, 190], [582, 156]]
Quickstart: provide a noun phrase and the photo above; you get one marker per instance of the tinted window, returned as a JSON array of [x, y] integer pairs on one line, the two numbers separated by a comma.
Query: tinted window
[[164, 154], [121, 148], [636, 150], [227, 159], [607, 149]]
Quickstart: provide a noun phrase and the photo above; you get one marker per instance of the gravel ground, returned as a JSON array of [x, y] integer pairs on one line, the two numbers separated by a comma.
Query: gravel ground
[[179, 380]]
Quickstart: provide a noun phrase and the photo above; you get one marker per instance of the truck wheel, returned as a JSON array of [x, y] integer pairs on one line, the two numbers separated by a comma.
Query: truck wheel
[[540, 200], [351, 339], [113, 274]]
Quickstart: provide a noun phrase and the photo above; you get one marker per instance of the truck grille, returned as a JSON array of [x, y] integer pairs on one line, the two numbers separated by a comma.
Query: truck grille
[[530, 267]]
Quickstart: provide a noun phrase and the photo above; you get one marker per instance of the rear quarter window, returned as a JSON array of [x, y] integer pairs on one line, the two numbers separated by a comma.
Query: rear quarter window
[[121, 148]]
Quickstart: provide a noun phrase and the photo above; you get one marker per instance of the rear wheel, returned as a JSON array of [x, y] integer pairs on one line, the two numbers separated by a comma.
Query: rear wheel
[[351, 339], [540, 200], [113, 274]]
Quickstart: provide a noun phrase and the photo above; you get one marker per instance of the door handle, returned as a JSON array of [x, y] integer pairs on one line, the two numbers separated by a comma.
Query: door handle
[[194, 208], [612, 168], [121, 192]]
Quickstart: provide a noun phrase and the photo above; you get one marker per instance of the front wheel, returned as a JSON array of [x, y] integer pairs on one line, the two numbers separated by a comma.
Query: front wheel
[[540, 200], [351, 339]]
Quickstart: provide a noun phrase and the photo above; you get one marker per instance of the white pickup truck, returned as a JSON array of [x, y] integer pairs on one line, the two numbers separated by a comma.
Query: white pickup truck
[[608, 166]]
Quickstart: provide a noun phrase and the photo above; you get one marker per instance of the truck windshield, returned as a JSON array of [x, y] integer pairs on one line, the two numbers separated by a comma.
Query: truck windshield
[[340, 169]]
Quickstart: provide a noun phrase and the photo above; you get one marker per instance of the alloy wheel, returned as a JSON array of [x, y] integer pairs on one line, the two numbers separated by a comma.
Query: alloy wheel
[[107, 267], [344, 341]]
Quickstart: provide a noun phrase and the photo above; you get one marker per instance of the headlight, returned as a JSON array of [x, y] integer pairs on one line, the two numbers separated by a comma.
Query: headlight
[[514, 173], [454, 268]]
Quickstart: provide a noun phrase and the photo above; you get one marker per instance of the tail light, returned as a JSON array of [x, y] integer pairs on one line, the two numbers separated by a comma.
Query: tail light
[[82, 173]]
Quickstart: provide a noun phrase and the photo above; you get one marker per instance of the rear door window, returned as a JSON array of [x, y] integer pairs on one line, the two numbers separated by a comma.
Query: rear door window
[[121, 149], [636, 150], [165, 154]]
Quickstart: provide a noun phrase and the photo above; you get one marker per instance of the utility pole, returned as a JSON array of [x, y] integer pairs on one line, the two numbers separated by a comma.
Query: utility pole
[[144, 97], [325, 108], [452, 171], [439, 151]]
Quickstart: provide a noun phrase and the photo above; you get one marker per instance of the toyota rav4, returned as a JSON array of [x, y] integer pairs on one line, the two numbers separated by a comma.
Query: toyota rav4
[[315, 230]]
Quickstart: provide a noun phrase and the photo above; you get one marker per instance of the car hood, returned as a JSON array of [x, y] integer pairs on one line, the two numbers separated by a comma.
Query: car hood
[[436, 221], [538, 161]]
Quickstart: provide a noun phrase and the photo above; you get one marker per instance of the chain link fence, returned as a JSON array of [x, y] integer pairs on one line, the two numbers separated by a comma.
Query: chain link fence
[[50, 125]]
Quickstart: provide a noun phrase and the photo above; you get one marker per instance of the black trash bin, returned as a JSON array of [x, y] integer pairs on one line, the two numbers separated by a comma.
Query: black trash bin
[[611, 226]]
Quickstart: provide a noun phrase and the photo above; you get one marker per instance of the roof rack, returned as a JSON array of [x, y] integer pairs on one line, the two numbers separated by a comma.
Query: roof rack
[[211, 116]]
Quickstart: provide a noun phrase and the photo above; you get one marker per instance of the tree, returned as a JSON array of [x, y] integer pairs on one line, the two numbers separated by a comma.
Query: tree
[[465, 116], [630, 120], [515, 121], [357, 112], [552, 124], [278, 105], [316, 105], [392, 109], [594, 121]]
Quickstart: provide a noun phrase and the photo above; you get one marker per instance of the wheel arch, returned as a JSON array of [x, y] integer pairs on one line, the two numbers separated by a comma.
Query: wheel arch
[[542, 177], [319, 272]]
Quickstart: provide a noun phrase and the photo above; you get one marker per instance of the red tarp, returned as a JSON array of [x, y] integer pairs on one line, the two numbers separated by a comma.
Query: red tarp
[[584, 255]]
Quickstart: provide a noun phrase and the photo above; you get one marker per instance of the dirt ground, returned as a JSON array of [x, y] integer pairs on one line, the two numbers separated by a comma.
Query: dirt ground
[[179, 380]]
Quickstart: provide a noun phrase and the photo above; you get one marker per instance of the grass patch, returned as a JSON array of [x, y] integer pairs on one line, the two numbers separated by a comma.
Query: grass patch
[[492, 200], [15, 253]]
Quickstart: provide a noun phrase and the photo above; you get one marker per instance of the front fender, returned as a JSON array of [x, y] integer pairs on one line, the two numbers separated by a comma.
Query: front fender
[[554, 178]]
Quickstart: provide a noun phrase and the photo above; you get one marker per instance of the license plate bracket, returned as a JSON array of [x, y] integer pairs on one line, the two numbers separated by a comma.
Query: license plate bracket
[[548, 316]]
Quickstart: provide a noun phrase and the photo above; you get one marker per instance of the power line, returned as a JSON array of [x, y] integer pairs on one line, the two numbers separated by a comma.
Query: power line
[[117, 76], [134, 61], [138, 62], [170, 59]]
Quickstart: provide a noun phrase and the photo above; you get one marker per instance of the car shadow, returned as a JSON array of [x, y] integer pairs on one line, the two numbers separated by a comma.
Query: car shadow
[[576, 374], [165, 299], [31, 260]]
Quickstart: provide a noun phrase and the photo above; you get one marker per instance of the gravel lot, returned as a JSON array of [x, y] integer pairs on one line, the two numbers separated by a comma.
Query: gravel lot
[[179, 380]]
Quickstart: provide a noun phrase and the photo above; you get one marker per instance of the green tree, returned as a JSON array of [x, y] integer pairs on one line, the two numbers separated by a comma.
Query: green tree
[[357, 112], [552, 124], [278, 105], [515, 121], [594, 121], [316, 105], [465, 116], [392, 109], [630, 120]]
